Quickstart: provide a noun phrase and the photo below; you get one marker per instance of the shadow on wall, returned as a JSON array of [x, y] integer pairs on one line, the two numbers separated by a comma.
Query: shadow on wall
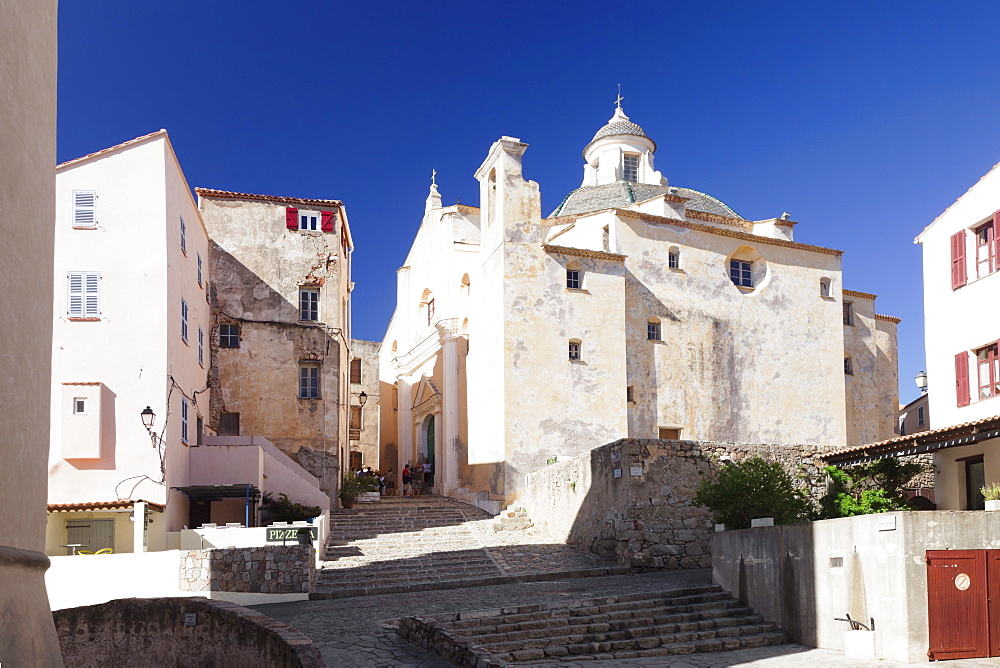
[[178, 632]]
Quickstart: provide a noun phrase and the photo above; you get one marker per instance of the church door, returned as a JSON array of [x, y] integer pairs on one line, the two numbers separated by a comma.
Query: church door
[[430, 441]]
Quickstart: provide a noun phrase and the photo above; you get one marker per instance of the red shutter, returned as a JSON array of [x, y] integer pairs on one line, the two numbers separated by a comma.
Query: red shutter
[[326, 218], [958, 276], [962, 378], [291, 218], [996, 241]]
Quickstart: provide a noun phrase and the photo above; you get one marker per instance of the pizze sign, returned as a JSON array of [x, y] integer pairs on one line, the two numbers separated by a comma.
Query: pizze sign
[[285, 534]]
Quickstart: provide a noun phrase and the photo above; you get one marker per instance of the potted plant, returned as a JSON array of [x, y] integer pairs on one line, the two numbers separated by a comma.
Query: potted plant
[[350, 489], [991, 493]]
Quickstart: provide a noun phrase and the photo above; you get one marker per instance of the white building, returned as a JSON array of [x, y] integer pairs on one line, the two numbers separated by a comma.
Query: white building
[[636, 309]]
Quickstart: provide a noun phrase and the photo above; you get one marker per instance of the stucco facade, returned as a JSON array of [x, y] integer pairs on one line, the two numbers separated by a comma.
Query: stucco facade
[[126, 335], [635, 310], [364, 419], [280, 330], [27, 180]]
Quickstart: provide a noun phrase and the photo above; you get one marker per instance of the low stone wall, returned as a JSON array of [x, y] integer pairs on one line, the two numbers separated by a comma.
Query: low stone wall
[[632, 499], [154, 632], [435, 636], [270, 569]]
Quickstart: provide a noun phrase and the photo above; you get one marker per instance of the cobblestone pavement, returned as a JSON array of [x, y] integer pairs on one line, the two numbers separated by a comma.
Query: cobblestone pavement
[[355, 632]]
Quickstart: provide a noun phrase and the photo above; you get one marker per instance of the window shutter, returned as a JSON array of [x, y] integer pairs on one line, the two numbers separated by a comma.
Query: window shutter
[[326, 218], [962, 378], [83, 209], [92, 306], [291, 218], [996, 241], [75, 309], [958, 276]]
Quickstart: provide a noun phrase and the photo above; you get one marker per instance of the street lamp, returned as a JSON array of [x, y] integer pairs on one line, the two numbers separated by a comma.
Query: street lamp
[[148, 417], [921, 381], [362, 398]]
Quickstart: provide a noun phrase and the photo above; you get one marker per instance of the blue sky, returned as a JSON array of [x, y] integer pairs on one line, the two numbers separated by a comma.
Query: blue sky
[[864, 120]]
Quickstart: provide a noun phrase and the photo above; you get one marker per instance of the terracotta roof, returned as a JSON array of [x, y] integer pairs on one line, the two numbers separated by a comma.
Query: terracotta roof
[[96, 382], [583, 252], [226, 194], [924, 441], [100, 505], [888, 318], [862, 295], [113, 148]]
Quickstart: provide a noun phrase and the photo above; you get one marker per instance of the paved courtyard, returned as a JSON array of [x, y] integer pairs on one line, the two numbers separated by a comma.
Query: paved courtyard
[[358, 631]]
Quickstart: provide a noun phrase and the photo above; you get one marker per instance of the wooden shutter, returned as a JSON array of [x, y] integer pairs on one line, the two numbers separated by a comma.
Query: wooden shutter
[[83, 209], [91, 302], [326, 220], [291, 218], [84, 295], [958, 275], [962, 378], [75, 308]]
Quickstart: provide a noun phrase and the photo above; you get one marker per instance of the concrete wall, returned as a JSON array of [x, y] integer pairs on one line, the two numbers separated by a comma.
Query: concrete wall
[[28, 136], [802, 576], [153, 633], [957, 320]]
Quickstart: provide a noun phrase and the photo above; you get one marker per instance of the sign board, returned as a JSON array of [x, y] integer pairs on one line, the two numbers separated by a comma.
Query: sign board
[[635, 471], [289, 534], [618, 473], [887, 523]]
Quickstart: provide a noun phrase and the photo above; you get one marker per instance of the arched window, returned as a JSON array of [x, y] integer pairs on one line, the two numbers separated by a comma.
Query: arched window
[[674, 258], [395, 347], [427, 305], [747, 269], [825, 287], [575, 350], [653, 332]]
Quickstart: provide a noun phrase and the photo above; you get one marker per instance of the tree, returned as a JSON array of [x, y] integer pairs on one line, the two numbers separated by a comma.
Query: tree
[[750, 489], [862, 489]]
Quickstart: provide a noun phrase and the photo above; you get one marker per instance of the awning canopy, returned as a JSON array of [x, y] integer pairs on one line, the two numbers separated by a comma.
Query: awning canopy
[[96, 506], [219, 492], [920, 442]]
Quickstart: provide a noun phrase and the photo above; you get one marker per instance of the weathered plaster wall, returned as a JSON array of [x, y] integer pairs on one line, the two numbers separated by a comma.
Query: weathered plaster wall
[[152, 632], [271, 569], [368, 438], [871, 389], [645, 517]]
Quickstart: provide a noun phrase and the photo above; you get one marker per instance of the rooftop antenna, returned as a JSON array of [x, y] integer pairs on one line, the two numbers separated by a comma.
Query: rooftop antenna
[[618, 102]]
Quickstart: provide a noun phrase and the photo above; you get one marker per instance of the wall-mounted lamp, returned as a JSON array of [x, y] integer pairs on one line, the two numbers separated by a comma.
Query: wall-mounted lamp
[[148, 417], [921, 380], [362, 398]]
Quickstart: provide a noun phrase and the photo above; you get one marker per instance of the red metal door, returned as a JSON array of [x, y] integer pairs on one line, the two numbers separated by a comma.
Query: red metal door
[[957, 604], [993, 593]]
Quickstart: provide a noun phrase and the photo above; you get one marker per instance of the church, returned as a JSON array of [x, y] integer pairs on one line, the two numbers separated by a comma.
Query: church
[[636, 309]]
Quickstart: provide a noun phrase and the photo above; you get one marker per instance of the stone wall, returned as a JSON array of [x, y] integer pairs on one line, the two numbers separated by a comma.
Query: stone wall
[[271, 569], [645, 518], [155, 632]]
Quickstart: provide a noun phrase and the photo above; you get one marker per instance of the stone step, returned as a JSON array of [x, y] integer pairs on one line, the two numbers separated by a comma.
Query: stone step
[[548, 655], [389, 578]]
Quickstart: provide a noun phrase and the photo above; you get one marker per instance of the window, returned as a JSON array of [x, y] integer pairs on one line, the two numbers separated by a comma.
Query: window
[[184, 320], [669, 433], [824, 287], [184, 420], [920, 416], [84, 294], [848, 367], [631, 168], [674, 258], [229, 335], [199, 268], [84, 202], [653, 329], [184, 248], [309, 304], [307, 221], [309, 381], [574, 350], [740, 273], [79, 406], [975, 480], [986, 249], [201, 347], [630, 394], [849, 313], [356, 370], [988, 363], [430, 311], [229, 424], [355, 417], [958, 270], [573, 281]]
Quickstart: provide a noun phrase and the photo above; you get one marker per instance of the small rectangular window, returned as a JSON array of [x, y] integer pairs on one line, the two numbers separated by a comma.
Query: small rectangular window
[[355, 417], [674, 260], [309, 304], [573, 279], [356, 370], [653, 331], [988, 363], [307, 221], [229, 335], [824, 287], [84, 207], [630, 394], [84, 294], [199, 268], [669, 433], [184, 421], [848, 366], [201, 347], [574, 350], [740, 273], [848, 313], [631, 170], [229, 424], [986, 260], [309, 381], [184, 320], [79, 406], [920, 416], [184, 248]]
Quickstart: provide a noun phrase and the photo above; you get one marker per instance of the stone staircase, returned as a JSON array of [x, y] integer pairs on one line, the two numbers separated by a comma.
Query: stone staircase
[[431, 542], [636, 626]]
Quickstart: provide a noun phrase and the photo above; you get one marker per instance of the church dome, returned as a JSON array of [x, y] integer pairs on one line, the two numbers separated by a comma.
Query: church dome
[[619, 125], [623, 194]]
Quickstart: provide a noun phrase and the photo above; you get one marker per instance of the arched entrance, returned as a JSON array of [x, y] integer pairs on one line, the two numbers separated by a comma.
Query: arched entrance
[[428, 441]]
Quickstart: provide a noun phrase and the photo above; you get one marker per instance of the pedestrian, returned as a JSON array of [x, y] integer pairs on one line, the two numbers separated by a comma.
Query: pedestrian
[[406, 481], [381, 483], [390, 483], [428, 475]]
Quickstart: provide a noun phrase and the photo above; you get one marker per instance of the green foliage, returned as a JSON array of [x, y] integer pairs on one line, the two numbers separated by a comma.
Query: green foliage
[[863, 489], [352, 486], [750, 489], [284, 510], [991, 492]]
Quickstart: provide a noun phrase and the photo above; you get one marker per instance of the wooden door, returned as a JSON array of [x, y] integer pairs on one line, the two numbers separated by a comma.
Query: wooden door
[[957, 611], [993, 595]]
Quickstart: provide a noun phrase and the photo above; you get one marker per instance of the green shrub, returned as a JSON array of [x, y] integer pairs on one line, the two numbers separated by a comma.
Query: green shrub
[[284, 510], [352, 486], [750, 489], [863, 489]]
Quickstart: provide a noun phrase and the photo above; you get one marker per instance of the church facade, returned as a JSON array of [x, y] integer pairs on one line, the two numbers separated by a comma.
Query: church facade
[[636, 309]]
